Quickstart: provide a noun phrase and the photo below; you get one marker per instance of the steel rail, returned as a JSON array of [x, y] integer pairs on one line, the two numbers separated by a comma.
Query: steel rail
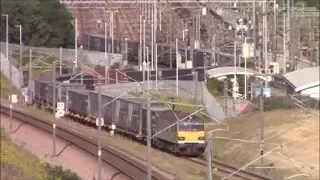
[[225, 168], [121, 161]]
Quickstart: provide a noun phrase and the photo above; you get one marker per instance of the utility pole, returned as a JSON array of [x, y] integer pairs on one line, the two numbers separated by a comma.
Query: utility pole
[[99, 128], [81, 64], [170, 42], [177, 69], [191, 33], [148, 70], [275, 8], [76, 45], [225, 94], [156, 55], [143, 77], [20, 28], [254, 31], [126, 51], [60, 60], [205, 64], [265, 41], [54, 105], [245, 66], [195, 93], [235, 60], [214, 50], [20, 58], [30, 68], [109, 55], [284, 39], [152, 38], [155, 21], [289, 30], [160, 18], [112, 30], [261, 124], [209, 156], [317, 54], [140, 45], [105, 45], [144, 40], [149, 138]]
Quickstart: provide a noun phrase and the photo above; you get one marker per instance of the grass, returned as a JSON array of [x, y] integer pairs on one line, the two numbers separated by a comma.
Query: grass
[[183, 104], [17, 163], [5, 88], [299, 134]]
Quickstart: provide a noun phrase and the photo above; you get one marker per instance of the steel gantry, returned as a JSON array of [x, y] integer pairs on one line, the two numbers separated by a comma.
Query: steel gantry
[[76, 4]]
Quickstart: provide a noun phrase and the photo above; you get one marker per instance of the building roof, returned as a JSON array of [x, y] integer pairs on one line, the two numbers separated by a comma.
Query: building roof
[[303, 78], [224, 71]]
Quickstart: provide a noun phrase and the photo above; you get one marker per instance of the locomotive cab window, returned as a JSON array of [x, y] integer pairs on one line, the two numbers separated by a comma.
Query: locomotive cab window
[[187, 126]]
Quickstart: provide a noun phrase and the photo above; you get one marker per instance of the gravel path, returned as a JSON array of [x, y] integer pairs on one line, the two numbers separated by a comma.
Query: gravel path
[[40, 144]]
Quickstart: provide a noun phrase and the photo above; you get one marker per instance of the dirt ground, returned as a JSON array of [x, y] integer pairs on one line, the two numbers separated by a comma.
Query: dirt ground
[[298, 134], [40, 144]]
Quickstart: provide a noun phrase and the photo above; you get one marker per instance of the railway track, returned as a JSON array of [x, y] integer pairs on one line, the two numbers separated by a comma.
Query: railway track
[[124, 163], [128, 166], [227, 169]]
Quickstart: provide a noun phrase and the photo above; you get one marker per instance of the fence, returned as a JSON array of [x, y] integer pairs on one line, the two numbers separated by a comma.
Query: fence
[[186, 90], [16, 74], [90, 57]]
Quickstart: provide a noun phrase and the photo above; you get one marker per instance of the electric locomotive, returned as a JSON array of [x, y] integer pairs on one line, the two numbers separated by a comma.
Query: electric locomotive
[[128, 116]]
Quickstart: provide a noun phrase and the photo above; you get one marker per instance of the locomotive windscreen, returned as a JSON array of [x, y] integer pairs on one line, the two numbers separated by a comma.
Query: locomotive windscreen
[[186, 126]]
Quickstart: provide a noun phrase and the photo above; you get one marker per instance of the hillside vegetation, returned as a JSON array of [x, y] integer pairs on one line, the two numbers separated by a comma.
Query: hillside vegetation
[[18, 163], [5, 88], [296, 130], [45, 23]]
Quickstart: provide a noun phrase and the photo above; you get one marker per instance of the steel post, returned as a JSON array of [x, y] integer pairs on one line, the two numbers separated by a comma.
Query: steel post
[[261, 124], [209, 155], [60, 60], [149, 171], [99, 129], [54, 105], [177, 69]]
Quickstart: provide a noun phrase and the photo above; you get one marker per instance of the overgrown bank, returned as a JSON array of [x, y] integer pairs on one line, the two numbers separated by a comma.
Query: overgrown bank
[[18, 163]]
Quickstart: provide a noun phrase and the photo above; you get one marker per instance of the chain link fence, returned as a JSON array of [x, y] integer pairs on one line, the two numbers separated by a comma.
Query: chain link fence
[[190, 91], [83, 56], [5, 70]]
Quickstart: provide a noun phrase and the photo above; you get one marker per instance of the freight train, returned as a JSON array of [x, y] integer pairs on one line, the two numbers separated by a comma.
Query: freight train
[[128, 115], [96, 42]]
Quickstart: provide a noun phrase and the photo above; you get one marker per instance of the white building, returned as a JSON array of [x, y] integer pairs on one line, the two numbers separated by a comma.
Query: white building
[[304, 82]]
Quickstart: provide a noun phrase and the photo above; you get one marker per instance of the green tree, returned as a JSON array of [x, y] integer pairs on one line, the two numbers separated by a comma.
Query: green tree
[[45, 23], [308, 3]]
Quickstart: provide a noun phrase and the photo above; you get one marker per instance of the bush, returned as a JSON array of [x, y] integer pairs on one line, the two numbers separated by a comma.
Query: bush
[[115, 65], [57, 172], [215, 87], [285, 102]]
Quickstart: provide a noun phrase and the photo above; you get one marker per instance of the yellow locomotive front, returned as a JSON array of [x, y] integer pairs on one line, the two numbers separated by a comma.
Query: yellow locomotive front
[[191, 137]]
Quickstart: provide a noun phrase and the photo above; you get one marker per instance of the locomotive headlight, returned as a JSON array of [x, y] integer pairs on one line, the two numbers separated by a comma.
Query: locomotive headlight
[[201, 138], [181, 138]]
